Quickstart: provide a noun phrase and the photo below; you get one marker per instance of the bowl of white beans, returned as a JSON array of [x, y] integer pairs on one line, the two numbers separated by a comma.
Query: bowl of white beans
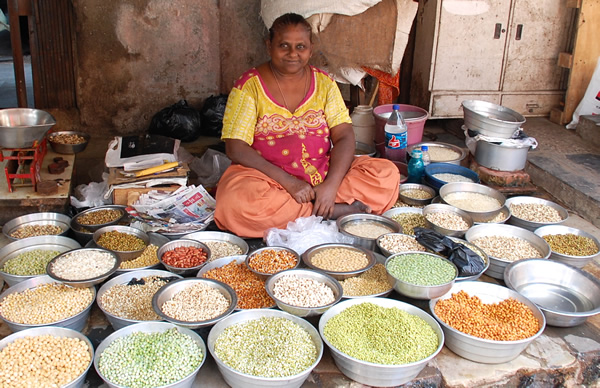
[[532, 212], [363, 229], [341, 261], [438, 174], [415, 194], [83, 267], [481, 202], [447, 220]]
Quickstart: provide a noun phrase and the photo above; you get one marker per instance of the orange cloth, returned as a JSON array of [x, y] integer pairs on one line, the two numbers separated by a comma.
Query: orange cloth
[[389, 85], [249, 202]]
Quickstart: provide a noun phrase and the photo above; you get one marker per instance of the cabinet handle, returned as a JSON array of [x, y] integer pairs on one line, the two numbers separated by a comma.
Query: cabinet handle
[[498, 31], [519, 32]]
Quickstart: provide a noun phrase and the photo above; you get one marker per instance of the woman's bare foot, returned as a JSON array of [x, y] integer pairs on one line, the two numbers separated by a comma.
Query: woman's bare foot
[[342, 209]]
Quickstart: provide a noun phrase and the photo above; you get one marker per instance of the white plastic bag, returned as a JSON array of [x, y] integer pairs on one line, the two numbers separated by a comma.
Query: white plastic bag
[[304, 233], [92, 194], [590, 103]]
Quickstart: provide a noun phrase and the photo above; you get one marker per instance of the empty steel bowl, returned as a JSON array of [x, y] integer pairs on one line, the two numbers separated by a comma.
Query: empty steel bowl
[[452, 211], [479, 349], [58, 144], [183, 243], [491, 119], [92, 227], [250, 259], [478, 215], [33, 220], [123, 255], [575, 261], [308, 255], [302, 311], [531, 224], [363, 222], [208, 237], [566, 295], [170, 290], [44, 243], [372, 374], [22, 127], [427, 192], [72, 257]]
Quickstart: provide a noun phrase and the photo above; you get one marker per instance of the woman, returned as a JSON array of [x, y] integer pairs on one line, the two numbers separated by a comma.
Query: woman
[[289, 135]]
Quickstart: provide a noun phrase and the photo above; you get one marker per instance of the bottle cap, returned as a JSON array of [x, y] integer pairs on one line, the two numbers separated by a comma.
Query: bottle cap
[[396, 107], [424, 148]]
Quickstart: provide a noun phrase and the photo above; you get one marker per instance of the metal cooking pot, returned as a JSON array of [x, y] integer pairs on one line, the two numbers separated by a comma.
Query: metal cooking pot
[[501, 157]]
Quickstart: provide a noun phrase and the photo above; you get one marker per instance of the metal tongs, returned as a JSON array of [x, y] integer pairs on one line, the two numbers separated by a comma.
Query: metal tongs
[[149, 171]]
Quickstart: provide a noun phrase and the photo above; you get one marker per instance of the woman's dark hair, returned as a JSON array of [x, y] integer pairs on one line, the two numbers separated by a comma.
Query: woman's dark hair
[[288, 19]]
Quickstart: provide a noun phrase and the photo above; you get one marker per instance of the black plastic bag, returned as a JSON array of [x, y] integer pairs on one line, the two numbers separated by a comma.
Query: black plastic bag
[[212, 113], [178, 121]]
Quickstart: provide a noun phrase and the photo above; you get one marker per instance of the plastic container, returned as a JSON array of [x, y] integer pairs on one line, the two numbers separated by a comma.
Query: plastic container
[[416, 168], [425, 155], [414, 117], [363, 124], [395, 136]]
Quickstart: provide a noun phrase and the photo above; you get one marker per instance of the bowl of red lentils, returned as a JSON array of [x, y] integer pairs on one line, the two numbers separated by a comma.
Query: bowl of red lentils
[[340, 261], [126, 241], [184, 257], [532, 212], [416, 194], [68, 142], [570, 245], [37, 224], [83, 267], [487, 323], [267, 261]]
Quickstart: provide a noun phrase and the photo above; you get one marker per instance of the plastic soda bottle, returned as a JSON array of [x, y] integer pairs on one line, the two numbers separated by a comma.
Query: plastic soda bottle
[[395, 136], [416, 168], [425, 156]]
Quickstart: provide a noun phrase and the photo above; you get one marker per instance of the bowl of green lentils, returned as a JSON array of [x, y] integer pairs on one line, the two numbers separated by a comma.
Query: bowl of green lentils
[[126, 241], [570, 245]]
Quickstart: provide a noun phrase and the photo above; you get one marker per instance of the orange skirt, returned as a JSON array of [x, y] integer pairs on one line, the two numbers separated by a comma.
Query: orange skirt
[[249, 202]]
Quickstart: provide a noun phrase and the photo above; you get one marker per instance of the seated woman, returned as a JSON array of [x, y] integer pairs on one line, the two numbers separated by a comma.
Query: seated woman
[[290, 138]]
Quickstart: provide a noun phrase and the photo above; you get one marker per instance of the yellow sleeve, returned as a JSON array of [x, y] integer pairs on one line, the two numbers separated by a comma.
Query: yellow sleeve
[[239, 119], [335, 108]]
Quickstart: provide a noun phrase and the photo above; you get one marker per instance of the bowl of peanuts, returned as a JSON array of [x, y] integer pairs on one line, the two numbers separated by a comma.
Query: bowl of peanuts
[[363, 229], [487, 323], [37, 224], [68, 142], [532, 212], [267, 261], [340, 261], [98, 217], [447, 220], [570, 245], [416, 194], [126, 241], [184, 257]]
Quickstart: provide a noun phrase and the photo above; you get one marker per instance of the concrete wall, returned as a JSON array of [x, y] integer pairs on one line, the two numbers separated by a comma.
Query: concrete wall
[[137, 56]]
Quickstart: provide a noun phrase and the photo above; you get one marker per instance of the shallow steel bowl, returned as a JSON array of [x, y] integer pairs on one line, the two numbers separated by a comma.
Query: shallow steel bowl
[[22, 127], [151, 327], [182, 243], [307, 257], [395, 212], [479, 349], [169, 290], [301, 311], [118, 322], [366, 242], [44, 218], [57, 332], [387, 253], [380, 259], [415, 201], [46, 243], [212, 236], [123, 255], [575, 261], [62, 148], [265, 275], [369, 373], [566, 295], [87, 282], [238, 379], [417, 291], [465, 187], [76, 225], [76, 322], [491, 119], [533, 225], [498, 265], [461, 153], [443, 208]]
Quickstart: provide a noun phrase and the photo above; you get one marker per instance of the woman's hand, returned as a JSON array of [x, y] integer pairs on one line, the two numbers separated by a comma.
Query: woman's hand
[[300, 190], [324, 200]]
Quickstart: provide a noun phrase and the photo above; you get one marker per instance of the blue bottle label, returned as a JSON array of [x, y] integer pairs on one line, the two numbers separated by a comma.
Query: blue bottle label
[[395, 140]]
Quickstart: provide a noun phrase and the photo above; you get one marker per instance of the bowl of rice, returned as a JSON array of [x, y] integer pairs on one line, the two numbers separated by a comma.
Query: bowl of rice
[[439, 152], [481, 202]]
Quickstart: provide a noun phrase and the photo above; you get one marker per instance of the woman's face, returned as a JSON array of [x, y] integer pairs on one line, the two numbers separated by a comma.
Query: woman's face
[[290, 49]]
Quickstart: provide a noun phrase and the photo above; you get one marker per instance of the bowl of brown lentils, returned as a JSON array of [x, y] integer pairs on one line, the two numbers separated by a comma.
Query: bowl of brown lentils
[[68, 142], [37, 224], [98, 217], [569, 245], [126, 241], [416, 194]]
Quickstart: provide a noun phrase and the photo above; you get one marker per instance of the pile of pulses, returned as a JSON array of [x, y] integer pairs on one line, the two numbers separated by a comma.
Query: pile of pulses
[[43, 361], [83, 264], [249, 288], [507, 248], [270, 261], [416, 194], [199, 302], [150, 359], [220, 249], [571, 244], [148, 258], [397, 243], [449, 177], [99, 217], [447, 220], [36, 230], [366, 229], [421, 270], [185, 257], [371, 282], [267, 347], [339, 259], [472, 201], [29, 263], [442, 154], [381, 335], [133, 300], [121, 242], [399, 203], [303, 292], [500, 217], [410, 221], [46, 303], [535, 212], [67, 138], [508, 320]]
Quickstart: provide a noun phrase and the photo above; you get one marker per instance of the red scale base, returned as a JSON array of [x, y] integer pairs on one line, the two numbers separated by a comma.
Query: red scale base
[[24, 165]]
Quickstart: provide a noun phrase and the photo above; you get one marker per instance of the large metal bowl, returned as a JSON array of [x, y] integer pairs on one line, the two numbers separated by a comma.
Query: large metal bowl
[[59, 332], [462, 154], [465, 187], [123, 255], [76, 322], [212, 236], [338, 275], [265, 275], [116, 321], [155, 239], [22, 127], [62, 148], [369, 373], [397, 211], [533, 225], [575, 261], [300, 311], [169, 290], [44, 218], [46, 243], [479, 349], [87, 282], [183, 243], [490, 119], [368, 243], [566, 295], [151, 327], [75, 224], [415, 201], [498, 265], [238, 379], [443, 208]]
